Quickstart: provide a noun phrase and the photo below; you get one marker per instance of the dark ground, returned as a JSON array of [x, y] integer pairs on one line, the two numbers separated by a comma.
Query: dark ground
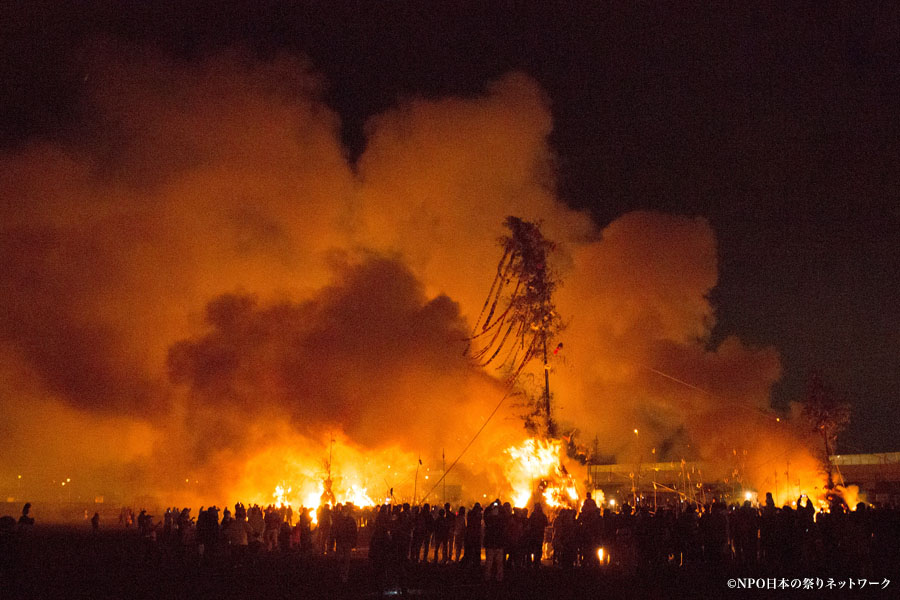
[[59, 562]]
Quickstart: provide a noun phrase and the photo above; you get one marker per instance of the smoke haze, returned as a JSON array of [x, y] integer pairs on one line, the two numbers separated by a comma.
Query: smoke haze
[[199, 291]]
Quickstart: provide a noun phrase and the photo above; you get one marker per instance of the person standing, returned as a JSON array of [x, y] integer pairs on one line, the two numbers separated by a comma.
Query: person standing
[[537, 524], [26, 521], [494, 525], [345, 537], [472, 556], [459, 533]]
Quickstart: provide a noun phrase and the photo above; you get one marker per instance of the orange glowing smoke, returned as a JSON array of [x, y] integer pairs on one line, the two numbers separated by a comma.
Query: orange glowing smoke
[[334, 295], [536, 473]]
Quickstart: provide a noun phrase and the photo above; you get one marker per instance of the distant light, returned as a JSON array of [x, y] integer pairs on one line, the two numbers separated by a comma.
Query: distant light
[[426, 477], [68, 480], [187, 480], [612, 501], [635, 432], [63, 483], [20, 477], [484, 495], [778, 419], [748, 496], [600, 555]]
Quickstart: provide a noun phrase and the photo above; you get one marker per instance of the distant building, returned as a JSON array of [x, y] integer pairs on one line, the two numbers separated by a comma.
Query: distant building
[[877, 475]]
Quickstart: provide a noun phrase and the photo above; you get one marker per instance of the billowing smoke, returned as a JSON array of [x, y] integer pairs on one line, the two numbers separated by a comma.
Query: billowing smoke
[[200, 293]]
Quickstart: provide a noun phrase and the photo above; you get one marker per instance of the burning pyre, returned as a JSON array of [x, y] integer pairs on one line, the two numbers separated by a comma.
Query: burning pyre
[[517, 326], [537, 474]]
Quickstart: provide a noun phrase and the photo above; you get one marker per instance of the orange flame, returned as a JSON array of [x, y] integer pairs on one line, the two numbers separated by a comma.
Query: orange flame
[[537, 468]]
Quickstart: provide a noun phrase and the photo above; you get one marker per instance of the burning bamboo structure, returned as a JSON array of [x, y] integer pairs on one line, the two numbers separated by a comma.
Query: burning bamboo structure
[[518, 324]]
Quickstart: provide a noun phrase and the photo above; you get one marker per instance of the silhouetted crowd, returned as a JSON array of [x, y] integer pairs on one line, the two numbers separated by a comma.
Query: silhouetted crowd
[[863, 542], [493, 540]]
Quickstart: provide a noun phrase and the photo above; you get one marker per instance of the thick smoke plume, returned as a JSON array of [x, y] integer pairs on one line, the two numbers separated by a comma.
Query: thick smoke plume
[[200, 293]]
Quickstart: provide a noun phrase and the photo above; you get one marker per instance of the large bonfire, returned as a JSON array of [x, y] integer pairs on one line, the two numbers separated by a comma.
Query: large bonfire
[[515, 332], [516, 327]]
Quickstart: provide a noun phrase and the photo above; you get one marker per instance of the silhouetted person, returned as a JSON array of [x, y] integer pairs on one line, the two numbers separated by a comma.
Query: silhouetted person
[[26, 521], [715, 534], [441, 533], [767, 533], [11, 557], [494, 525], [403, 533], [534, 533], [472, 555], [515, 537], [237, 535], [564, 549], [420, 531], [95, 522], [380, 546], [345, 534], [687, 531], [208, 531], [323, 530], [745, 532], [459, 533], [304, 533]]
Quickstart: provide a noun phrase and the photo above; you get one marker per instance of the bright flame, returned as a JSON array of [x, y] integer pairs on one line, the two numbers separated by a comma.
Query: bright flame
[[358, 497], [537, 467], [281, 496], [850, 494], [314, 498]]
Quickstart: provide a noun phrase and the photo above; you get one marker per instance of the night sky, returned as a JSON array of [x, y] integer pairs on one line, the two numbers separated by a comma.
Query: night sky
[[779, 125]]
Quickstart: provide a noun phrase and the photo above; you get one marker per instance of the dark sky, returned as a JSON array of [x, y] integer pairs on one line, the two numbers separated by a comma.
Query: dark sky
[[778, 124]]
